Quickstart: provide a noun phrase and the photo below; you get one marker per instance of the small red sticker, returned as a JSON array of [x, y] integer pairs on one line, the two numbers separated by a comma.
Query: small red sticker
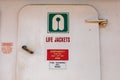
[[57, 54], [6, 48]]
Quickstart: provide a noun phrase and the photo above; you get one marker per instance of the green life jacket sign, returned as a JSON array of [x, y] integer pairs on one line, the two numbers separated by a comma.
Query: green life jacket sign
[[58, 22]]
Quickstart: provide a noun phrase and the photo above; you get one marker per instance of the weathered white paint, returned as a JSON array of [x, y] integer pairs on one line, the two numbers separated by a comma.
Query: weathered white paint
[[83, 48], [109, 36]]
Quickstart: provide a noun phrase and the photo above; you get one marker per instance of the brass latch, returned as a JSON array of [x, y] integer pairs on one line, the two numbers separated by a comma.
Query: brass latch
[[102, 22]]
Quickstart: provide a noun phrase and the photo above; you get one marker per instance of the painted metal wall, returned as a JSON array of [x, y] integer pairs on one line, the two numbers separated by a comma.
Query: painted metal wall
[[109, 36]]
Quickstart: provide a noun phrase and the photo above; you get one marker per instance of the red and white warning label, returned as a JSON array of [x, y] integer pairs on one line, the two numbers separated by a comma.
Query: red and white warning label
[[6, 48], [57, 54]]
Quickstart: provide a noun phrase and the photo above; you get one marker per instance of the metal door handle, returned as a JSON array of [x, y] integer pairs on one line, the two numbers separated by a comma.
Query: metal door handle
[[24, 47], [101, 22], [96, 21]]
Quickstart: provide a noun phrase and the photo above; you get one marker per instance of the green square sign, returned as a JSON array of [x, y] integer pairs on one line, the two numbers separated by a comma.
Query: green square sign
[[58, 22]]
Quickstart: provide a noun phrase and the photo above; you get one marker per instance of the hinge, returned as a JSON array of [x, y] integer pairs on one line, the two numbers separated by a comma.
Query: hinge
[[102, 22]]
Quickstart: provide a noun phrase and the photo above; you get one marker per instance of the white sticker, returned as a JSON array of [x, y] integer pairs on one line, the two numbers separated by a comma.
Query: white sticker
[[57, 65]]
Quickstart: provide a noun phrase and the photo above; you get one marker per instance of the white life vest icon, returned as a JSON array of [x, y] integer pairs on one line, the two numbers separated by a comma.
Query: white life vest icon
[[58, 22]]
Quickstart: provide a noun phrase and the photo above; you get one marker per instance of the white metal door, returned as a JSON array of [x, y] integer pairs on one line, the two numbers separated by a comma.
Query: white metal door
[[64, 46]]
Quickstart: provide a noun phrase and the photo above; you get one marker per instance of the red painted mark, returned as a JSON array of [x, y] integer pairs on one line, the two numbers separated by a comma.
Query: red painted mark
[[6, 48]]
